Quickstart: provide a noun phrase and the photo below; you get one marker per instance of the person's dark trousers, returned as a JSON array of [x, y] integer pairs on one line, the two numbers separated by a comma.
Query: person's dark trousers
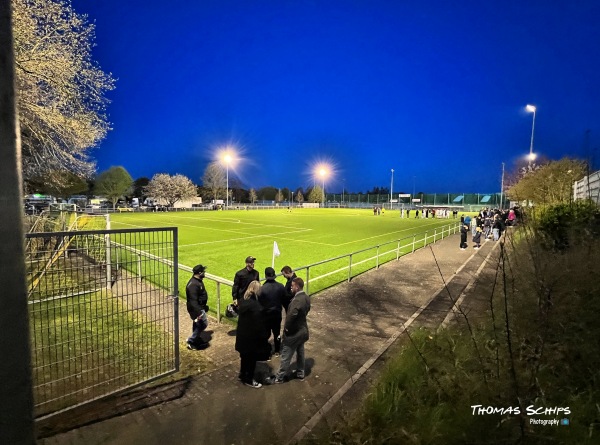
[[463, 240], [247, 366], [273, 322], [197, 328]]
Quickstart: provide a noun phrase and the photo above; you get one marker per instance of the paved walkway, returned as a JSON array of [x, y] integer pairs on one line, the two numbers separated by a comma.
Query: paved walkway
[[351, 327]]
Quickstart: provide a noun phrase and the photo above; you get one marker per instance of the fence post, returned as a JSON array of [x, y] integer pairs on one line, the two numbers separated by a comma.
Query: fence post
[[413, 247], [425, 242], [108, 260], [139, 267], [307, 278], [434, 234], [218, 302], [350, 268], [398, 251], [170, 275], [377, 260]]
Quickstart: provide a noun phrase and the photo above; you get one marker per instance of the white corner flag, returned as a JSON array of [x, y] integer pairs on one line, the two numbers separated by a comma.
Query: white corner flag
[[275, 253]]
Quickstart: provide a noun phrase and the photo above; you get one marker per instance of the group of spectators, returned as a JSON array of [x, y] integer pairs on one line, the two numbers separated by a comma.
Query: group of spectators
[[488, 224], [429, 213], [259, 309]]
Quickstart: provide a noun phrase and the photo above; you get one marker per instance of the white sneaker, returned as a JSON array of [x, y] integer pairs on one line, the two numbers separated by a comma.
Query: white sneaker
[[254, 384]]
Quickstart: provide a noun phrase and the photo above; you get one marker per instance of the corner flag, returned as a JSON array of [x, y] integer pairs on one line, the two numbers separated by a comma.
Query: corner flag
[[275, 253]]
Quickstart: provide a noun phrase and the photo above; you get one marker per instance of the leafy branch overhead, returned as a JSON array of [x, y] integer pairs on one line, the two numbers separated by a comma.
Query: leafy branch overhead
[[61, 90]]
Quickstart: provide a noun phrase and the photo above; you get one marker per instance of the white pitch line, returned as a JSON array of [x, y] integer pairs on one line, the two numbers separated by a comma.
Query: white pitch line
[[237, 232], [235, 221], [307, 241], [271, 235]]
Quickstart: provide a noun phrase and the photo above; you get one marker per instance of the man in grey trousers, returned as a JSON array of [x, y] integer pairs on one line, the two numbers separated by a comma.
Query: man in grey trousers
[[295, 332]]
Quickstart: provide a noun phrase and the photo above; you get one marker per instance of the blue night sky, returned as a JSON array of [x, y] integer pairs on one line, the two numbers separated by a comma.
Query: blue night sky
[[435, 90]]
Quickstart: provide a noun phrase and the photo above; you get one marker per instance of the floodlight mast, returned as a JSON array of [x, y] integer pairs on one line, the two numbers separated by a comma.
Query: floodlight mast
[[227, 159], [391, 191], [531, 109], [323, 172]]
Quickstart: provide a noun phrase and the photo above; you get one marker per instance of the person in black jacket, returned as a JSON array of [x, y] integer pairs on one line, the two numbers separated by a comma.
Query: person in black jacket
[[464, 229], [243, 278], [197, 299], [289, 275], [272, 294], [295, 333], [250, 334]]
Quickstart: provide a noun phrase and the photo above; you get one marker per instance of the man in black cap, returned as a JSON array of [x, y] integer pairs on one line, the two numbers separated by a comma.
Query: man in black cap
[[243, 278], [271, 297], [197, 297]]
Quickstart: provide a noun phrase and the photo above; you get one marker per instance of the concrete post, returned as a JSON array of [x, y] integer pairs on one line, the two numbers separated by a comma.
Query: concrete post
[[16, 399]]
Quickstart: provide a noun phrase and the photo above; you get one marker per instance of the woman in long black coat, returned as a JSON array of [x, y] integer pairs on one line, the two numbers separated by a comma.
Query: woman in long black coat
[[250, 334]]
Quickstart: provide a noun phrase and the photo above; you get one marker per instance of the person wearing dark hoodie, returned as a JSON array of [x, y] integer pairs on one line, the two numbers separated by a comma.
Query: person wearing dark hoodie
[[464, 229], [196, 304], [272, 295]]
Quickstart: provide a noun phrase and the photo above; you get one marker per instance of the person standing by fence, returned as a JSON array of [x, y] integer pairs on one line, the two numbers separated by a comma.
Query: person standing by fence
[[295, 333], [271, 297], [250, 334], [464, 229], [289, 275], [243, 278], [197, 299]]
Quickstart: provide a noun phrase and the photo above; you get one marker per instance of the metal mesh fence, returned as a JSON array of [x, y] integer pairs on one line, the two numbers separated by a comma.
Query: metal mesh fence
[[103, 312], [469, 201]]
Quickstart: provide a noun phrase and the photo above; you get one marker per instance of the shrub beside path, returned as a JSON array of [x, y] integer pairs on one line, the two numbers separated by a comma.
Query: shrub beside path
[[352, 325]]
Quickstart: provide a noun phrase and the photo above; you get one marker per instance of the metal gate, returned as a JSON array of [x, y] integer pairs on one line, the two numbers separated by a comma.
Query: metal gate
[[103, 312]]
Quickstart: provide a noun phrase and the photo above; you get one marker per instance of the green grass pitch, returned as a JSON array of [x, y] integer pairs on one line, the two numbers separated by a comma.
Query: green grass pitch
[[222, 240]]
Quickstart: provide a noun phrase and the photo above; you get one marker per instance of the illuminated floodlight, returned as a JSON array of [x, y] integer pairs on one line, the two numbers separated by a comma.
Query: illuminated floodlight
[[227, 155], [323, 170], [531, 109]]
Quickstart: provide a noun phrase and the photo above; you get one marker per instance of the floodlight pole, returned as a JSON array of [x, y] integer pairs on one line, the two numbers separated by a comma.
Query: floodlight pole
[[227, 188], [323, 191], [532, 109], [391, 191], [502, 187]]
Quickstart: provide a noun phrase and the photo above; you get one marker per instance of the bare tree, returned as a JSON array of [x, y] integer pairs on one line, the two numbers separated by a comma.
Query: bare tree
[[253, 196], [171, 188], [61, 90], [214, 179]]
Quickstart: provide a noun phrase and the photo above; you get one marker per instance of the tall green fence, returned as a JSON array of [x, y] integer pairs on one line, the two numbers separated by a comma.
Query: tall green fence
[[468, 201]]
